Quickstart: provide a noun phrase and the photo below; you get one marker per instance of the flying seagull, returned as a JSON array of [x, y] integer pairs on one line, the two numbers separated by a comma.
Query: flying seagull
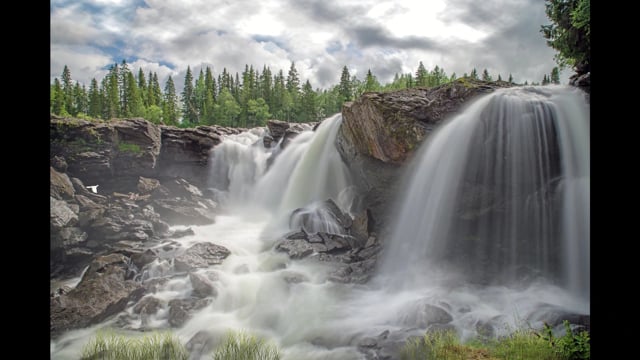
[[93, 188]]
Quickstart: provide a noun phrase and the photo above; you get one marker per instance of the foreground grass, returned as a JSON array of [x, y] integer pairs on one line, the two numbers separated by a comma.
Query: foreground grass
[[242, 346], [108, 345], [521, 345]]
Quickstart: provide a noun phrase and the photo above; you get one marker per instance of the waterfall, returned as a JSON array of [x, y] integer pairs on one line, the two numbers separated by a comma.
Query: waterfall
[[499, 195]]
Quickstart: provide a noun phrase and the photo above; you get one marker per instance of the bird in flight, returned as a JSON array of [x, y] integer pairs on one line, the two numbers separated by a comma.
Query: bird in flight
[[93, 188]]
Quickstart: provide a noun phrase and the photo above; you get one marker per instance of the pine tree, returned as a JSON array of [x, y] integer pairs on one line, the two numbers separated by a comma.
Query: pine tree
[[308, 103], [135, 107], [371, 83], [111, 94], [95, 100], [142, 87], [79, 99], [200, 95], [58, 106], [293, 80], [474, 74], [189, 111], [555, 75], [210, 93], [421, 76], [67, 90], [157, 93], [345, 86], [499, 77], [170, 108], [510, 79], [123, 78], [486, 76]]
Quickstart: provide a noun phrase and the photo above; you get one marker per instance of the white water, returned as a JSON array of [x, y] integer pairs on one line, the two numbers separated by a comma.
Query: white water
[[292, 302]]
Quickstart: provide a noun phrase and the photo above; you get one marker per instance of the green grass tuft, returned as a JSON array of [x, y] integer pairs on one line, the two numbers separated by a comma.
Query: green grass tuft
[[242, 346], [107, 345]]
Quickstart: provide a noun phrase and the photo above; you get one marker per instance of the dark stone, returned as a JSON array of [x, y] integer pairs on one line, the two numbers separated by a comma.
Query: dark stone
[[202, 286], [202, 343], [380, 131], [296, 249], [61, 215], [147, 185], [180, 233], [101, 293], [180, 309], [181, 212], [59, 163], [201, 255], [61, 187], [147, 305]]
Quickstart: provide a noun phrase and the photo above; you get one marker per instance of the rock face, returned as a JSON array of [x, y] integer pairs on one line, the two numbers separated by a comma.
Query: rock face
[[185, 152], [380, 132], [102, 292], [353, 250], [120, 151]]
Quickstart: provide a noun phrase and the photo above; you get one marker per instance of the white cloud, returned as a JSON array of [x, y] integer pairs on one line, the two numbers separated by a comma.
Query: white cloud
[[384, 36], [85, 63]]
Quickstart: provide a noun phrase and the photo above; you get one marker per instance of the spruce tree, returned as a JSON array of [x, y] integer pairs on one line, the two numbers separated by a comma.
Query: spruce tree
[[58, 106], [510, 79], [345, 85], [486, 76], [157, 93], [555, 75], [421, 76], [142, 87], [95, 100], [474, 74], [170, 105], [67, 90], [189, 111]]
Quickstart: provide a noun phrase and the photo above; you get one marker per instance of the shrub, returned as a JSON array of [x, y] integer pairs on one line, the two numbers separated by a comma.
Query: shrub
[[128, 147]]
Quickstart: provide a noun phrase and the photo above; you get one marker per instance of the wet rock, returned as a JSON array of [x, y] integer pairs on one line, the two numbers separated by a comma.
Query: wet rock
[[180, 212], [61, 214], [277, 129], [202, 287], [59, 163], [72, 236], [147, 305], [422, 314], [60, 185], [147, 185], [296, 249], [101, 293], [179, 233], [180, 310], [201, 255]]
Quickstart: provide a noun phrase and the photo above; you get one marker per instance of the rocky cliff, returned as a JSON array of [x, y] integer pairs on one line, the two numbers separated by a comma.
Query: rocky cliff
[[381, 131]]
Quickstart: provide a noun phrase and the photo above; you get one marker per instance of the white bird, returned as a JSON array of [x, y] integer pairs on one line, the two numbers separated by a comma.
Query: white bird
[[93, 188]]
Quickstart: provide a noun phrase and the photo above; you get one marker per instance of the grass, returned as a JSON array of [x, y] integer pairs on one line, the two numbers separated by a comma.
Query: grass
[[243, 346], [107, 345], [520, 345], [128, 147]]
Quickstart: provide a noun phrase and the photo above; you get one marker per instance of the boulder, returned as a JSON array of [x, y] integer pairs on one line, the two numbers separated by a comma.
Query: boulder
[[201, 255], [61, 214], [137, 148], [147, 185], [202, 286], [180, 309], [60, 185], [101, 293], [380, 131], [59, 163]]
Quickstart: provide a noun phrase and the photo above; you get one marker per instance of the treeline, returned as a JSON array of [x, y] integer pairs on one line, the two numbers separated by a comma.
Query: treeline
[[241, 100]]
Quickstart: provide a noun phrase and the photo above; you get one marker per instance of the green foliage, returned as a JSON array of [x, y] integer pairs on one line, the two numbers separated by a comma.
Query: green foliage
[[242, 346], [129, 147], [107, 345], [570, 32], [524, 344], [571, 346]]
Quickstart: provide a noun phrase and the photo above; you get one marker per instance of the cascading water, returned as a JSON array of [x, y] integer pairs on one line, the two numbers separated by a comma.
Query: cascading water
[[499, 196], [499, 192]]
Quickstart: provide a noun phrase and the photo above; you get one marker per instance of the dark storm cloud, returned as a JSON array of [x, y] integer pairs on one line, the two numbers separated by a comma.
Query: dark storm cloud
[[375, 35]]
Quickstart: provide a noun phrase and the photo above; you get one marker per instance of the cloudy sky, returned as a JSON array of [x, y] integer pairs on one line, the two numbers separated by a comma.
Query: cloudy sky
[[320, 36]]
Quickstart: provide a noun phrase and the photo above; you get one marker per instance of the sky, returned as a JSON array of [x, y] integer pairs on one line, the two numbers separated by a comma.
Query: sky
[[319, 36]]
